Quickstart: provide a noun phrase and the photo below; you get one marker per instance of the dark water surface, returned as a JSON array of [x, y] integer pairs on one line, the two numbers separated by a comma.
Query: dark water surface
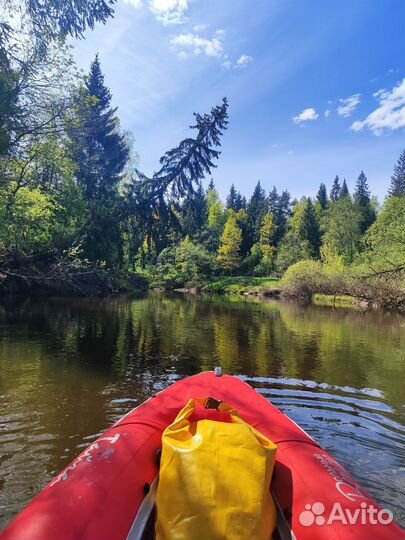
[[69, 368]]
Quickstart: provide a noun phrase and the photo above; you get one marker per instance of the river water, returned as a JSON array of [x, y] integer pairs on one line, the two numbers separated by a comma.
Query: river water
[[71, 367]]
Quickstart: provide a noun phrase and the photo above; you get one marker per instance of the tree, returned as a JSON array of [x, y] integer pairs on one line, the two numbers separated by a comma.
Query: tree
[[240, 203], [229, 251], [344, 192], [59, 19], [266, 245], [385, 240], [342, 231], [363, 202], [336, 189], [100, 153], [322, 197], [256, 209], [231, 199], [194, 212], [211, 185], [282, 215], [397, 187], [309, 229]]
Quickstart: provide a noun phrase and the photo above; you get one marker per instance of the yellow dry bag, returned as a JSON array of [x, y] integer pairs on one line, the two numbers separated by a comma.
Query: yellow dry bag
[[214, 481]]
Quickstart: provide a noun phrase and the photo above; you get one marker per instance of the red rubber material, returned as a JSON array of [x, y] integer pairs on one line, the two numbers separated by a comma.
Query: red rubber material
[[98, 495]]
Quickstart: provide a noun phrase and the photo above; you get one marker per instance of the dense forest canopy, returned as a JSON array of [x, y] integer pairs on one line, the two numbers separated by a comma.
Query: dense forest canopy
[[73, 204]]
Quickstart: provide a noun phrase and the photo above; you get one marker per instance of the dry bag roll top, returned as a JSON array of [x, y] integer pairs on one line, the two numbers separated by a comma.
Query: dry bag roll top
[[214, 481]]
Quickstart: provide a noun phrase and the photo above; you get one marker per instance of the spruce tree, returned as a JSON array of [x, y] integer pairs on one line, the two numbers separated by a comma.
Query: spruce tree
[[397, 187], [283, 213], [344, 192], [362, 201], [194, 212], [322, 196], [211, 185], [231, 199], [100, 154], [256, 208], [336, 189], [273, 201], [240, 202], [309, 228]]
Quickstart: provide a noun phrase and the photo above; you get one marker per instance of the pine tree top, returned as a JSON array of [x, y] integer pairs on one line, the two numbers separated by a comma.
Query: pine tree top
[[397, 187]]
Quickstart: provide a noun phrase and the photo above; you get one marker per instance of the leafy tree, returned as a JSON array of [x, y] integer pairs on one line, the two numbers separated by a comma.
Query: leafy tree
[[397, 187], [344, 192], [301, 240], [28, 225], [385, 240], [362, 200], [342, 229], [336, 189], [322, 197], [229, 251]]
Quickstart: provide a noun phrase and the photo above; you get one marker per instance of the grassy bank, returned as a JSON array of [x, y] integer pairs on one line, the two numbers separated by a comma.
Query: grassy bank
[[244, 285]]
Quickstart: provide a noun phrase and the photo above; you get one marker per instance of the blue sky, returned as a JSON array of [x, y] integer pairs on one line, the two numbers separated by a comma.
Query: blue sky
[[316, 88]]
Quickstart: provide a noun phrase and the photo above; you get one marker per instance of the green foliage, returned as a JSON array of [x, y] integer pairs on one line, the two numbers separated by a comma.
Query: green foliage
[[322, 197], [186, 263], [229, 251], [303, 278], [27, 219], [336, 189], [241, 285], [342, 229], [385, 240], [362, 201], [397, 187]]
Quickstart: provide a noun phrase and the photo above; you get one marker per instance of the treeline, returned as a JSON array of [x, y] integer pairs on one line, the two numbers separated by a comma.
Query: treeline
[[269, 232], [77, 216], [74, 210]]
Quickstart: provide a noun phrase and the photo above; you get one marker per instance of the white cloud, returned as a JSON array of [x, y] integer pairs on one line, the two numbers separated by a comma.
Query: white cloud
[[135, 3], [348, 105], [327, 113], [227, 64], [389, 115], [200, 28], [220, 33], [243, 61], [169, 11], [194, 44], [307, 115]]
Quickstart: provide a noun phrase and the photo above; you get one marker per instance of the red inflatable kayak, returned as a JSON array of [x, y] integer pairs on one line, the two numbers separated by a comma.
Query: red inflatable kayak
[[107, 492]]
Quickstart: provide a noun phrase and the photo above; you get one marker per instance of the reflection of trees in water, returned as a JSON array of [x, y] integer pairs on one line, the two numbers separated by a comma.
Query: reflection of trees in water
[[122, 340]]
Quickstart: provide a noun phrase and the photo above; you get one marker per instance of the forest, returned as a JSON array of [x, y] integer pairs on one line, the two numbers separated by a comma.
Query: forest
[[77, 216]]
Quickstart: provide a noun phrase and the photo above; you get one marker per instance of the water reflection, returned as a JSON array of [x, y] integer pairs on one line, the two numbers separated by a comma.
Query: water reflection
[[69, 368]]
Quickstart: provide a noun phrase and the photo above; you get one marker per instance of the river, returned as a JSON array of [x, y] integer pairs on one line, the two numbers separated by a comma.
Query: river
[[71, 367]]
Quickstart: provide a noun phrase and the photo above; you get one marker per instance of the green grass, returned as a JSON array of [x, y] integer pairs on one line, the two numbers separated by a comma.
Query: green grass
[[330, 300], [241, 284]]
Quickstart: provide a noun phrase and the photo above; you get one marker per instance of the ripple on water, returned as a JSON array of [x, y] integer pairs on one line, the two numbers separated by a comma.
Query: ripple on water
[[340, 417]]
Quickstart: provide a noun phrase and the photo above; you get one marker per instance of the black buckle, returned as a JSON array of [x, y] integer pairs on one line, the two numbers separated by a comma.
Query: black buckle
[[212, 403]]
